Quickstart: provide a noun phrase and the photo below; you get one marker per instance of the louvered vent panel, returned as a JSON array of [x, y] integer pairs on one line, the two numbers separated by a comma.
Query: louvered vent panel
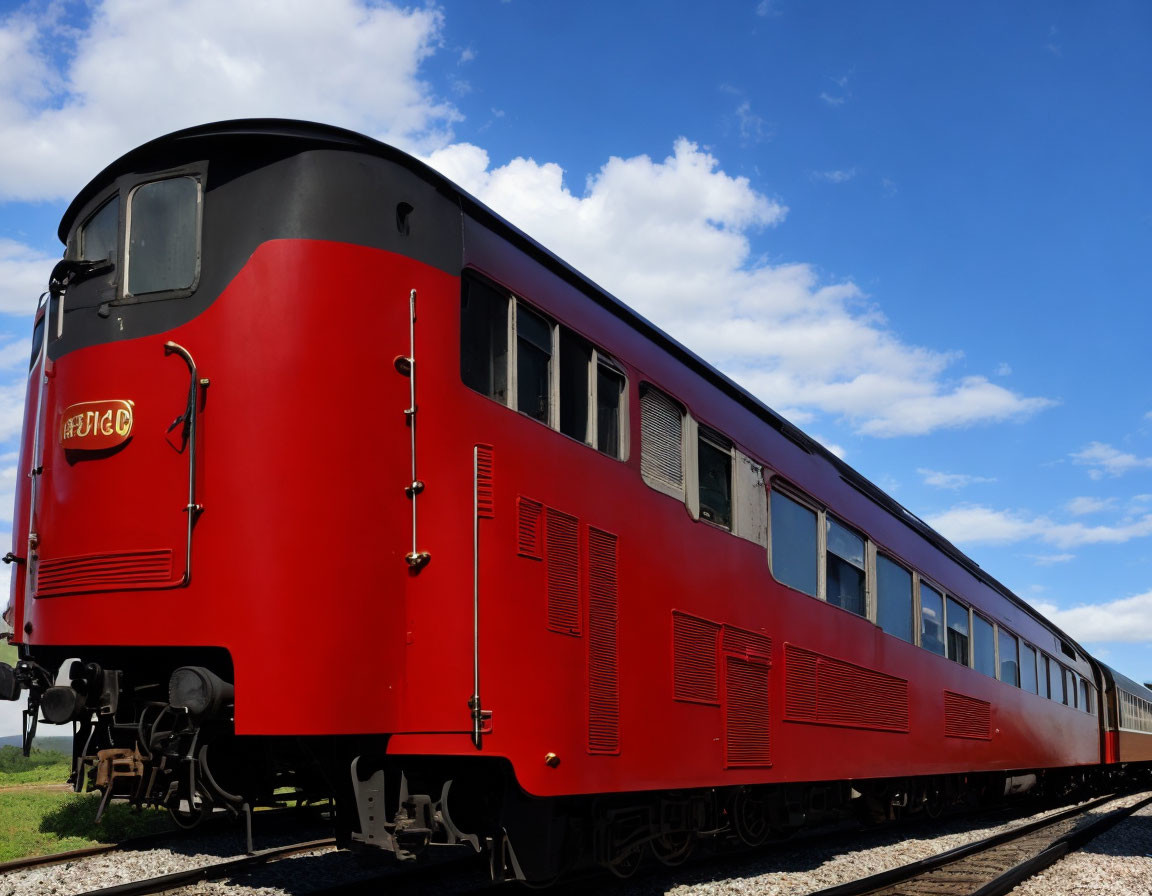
[[104, 572], [827, 691], [801, 691], [747, 644], [746, 713], [603, 683], [661, 453], [694, 643], [563, 573], [485, 482], [967, 717], [528, 531]]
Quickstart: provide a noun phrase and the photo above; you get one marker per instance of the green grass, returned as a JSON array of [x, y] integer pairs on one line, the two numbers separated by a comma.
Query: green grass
[[8, 653], [40, 820]]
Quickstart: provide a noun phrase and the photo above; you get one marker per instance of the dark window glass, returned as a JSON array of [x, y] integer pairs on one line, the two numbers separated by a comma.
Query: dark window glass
[[845, 569], [1085, 696], [162, 242], [983, 646], [533, 364], [484, 340], [575, 362], [37, 341], [1070, 687], [715, 465], [609, 399], [931, 619], [1028, 668], [893, 598], [957, 621], [1009, 663], [795, 555], [100, 234], [1042, 670]]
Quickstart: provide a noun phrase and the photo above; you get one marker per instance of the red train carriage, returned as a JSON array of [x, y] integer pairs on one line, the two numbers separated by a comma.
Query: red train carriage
[[337, 480]]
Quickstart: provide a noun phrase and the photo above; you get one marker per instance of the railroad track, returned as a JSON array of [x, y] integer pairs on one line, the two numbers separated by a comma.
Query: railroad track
[[993, 866]]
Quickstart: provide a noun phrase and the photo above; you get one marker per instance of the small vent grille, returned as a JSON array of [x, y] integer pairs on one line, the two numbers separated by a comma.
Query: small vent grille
[[563, 573], [603, 684], [661, 436], [742, 642], [485, 482], [967, 717], [827, 691], [528, 532], [104, 572], [746, 713], [694, 659]]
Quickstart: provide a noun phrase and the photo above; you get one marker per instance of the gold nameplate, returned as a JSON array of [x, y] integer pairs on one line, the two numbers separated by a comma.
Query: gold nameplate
[[96, 425]]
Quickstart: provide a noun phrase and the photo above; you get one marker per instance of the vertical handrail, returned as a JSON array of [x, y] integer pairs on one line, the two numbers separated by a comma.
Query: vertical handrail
[[415, 558], [474, 703], [188, 418]]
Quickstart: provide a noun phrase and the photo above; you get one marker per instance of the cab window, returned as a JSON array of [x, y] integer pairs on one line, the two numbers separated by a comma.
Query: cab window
[[163, 236]]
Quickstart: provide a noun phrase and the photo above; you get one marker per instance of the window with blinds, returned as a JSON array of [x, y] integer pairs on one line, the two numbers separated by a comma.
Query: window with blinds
[[661, 442]]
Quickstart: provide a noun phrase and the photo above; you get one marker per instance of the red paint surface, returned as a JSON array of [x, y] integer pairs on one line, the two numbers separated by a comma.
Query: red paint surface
[[299, 565]]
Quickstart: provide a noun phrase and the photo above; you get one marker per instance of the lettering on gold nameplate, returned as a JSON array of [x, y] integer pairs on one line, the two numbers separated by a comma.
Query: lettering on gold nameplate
[[96, 425]]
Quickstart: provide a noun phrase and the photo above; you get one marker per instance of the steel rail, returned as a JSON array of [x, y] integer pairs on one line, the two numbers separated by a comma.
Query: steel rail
[[997, 883]]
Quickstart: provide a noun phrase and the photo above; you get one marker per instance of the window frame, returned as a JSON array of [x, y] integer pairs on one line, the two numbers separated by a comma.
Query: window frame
[[705, 435], [196, 174], [596, 359]]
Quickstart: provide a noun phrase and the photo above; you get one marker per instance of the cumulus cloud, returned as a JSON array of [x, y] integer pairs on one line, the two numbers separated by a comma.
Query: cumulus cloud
[[1127, 620], [1086, 506], [950, 480], [137, 72], [672, 238], [1104, 460], [975, 524]]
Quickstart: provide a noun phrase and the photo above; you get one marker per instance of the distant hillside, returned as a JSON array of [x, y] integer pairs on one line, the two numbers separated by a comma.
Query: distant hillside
[[59, 744]]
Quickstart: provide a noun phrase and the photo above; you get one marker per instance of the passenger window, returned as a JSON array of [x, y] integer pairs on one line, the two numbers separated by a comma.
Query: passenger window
[[845, 569], [1085, 694], [1062, 683], [533, 365], [575, 362], [931, 619], [609, 410], [1070, 685], [1009, 659], [1028, 668], [100, 235], [983, 646], [162, 236], [893, 598], [661, 442], [795, 546], [957, 620], [1042, 670], [714, 460], [484, 340]]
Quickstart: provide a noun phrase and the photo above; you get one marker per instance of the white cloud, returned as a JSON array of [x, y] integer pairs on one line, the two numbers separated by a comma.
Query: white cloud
[[950, 480], [23, 277], [1108, 461], [1127, 620], [1051, 559], [1086, 506], [672, 239], [974, 524], [138, 71]]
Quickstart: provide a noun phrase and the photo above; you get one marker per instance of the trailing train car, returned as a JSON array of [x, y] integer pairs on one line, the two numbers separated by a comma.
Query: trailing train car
[[1127, 719], [335, 480]]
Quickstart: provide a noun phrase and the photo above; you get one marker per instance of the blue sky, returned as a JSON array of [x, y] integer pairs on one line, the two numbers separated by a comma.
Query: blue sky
[[921, 231]]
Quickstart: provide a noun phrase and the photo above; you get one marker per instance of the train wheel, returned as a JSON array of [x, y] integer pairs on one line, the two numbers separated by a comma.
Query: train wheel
[[750, 818], [673, 848]]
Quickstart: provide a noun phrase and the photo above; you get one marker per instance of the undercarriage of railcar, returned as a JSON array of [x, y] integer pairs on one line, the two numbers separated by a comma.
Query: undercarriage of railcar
[[154, 727]]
